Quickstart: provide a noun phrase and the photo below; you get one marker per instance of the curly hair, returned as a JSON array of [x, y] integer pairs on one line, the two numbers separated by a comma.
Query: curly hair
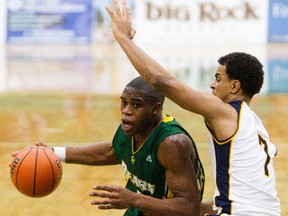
[[245, 68]]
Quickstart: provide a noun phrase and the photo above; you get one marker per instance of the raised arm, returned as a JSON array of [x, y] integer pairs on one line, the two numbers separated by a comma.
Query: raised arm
[[152, 71]]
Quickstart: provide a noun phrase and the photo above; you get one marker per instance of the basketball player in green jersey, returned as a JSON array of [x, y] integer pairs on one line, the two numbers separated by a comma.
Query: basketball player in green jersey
[[163, 171]]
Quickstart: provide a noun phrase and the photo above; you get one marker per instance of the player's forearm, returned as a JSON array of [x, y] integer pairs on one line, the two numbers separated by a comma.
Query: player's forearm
[[94, 154], [146, 66], [180, 206], [157, 76]]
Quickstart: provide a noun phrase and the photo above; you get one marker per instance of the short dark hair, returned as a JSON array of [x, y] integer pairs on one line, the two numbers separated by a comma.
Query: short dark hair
[[152, 95], [245, 68]]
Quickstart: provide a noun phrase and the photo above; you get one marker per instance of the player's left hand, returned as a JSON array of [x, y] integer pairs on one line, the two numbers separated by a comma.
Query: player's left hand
[[115, 197], [121, 20], [14, 154]]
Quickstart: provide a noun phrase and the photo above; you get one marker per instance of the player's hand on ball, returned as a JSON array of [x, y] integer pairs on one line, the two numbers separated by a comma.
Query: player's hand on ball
[[14, 154], [43, 144], [115, 197]]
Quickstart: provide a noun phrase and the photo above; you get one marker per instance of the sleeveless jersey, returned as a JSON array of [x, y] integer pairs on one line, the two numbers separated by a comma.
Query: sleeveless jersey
[[243, 168], [143, 172]]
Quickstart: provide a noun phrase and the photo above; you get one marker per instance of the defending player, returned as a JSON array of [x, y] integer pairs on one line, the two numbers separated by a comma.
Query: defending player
[[158, 156], [241, 151]]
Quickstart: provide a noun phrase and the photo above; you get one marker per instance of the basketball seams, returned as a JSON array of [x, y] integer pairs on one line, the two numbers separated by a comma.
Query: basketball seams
[[35, 172], [51, 166], [19, 166]]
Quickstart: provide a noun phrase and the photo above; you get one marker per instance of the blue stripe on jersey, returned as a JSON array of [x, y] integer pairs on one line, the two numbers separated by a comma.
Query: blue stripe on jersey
[[236, 105], [222, 153]]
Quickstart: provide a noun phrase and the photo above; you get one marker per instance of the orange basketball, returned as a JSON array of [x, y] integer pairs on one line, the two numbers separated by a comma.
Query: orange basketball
[[36, 171]]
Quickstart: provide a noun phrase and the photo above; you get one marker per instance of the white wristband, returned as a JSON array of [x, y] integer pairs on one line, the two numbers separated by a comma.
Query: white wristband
[[60, 153]]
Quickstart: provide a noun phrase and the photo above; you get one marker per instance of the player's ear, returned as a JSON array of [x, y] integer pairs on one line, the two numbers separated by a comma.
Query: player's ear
[[158, 107], [235, 86]]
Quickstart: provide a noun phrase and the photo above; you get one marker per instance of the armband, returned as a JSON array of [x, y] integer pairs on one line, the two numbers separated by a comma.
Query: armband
[[60, 152]]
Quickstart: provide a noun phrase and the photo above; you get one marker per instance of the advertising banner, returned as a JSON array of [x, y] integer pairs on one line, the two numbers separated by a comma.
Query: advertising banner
[[278, 21], [39, 21], [183, 21], [278, 76]]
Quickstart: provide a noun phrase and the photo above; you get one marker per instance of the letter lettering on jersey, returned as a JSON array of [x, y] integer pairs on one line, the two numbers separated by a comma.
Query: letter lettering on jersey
[[135, 181], [139, 183], [151, 188], [142, 185]]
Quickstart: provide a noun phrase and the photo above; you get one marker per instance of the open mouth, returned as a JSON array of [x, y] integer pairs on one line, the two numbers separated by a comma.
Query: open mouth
[[126, 125]]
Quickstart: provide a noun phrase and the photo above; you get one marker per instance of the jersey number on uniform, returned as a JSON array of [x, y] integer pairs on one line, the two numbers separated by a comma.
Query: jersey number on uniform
[[263, 142]]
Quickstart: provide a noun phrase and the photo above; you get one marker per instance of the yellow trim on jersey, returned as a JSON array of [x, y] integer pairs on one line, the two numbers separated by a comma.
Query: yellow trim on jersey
[[167, 118], [170, 194]]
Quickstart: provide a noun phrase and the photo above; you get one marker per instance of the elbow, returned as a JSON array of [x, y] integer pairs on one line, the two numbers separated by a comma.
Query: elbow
[[160, 83], [156, 81]]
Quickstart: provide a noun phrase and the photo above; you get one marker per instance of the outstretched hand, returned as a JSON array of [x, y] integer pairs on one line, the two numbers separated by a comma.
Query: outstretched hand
[[115, 197], [14, 154], [121, 20]]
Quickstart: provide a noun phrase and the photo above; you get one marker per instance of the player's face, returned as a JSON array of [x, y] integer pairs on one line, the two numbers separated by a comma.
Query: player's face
[[221, 86], [138, 114]]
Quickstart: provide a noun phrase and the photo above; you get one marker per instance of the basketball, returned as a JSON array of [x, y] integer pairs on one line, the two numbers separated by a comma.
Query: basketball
[[36, 171]]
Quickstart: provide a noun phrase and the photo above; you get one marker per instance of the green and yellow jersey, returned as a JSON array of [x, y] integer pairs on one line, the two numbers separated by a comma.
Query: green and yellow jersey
[[142, 170]]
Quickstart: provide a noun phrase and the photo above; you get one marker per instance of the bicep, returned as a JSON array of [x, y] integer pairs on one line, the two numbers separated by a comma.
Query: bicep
[[175, 156]]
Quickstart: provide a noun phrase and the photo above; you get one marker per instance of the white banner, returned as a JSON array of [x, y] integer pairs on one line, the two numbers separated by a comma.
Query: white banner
[[215, 21]]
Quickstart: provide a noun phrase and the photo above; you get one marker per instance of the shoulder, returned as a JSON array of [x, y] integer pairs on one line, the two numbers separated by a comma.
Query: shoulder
[[179, 140], [223, 124], [169, 126], [174, 148]]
